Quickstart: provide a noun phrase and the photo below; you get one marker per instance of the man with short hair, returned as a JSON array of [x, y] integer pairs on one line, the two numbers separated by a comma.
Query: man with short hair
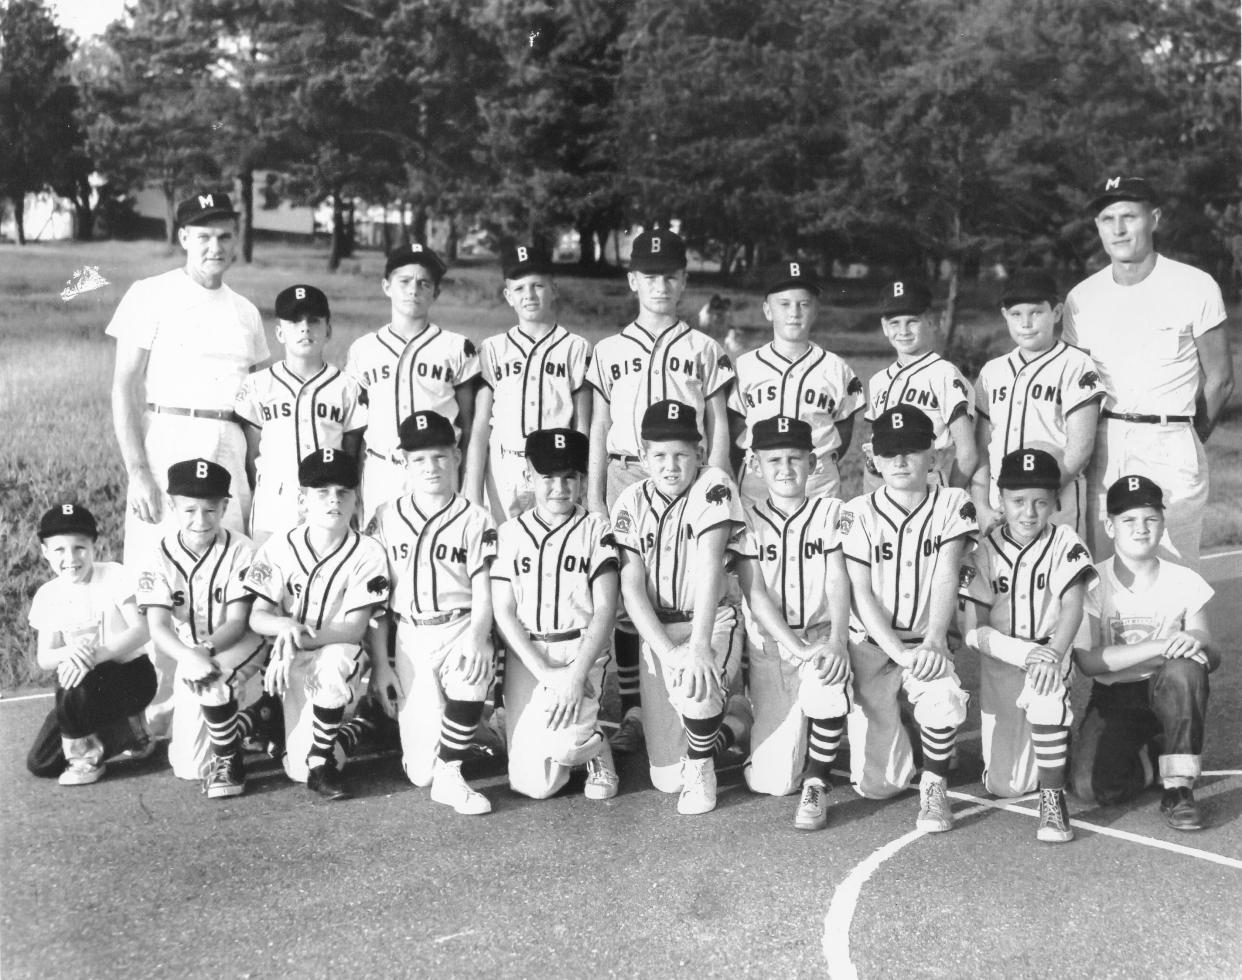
[[1151, 324]]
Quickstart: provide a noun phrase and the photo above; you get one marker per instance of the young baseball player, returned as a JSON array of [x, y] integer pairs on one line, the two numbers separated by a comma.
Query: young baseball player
[[1044, 395], [792, 552], [656, 358], [534, 377], [439, 547], [1025, 585], [554, 596], [406, 366], [191, 590], [293, 408], [315, 588], [923, 379], [904, 544], [672, 530], [91, 634], [1150, 656], [794, 377]]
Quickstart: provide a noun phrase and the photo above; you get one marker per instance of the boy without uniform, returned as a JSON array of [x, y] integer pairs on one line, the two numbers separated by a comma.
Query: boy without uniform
[[794, 541], [438, 546], [796, 378], [1150, 656], [91, 634], [409, 365], [672, 530], [1025, 586], [533, 377], [293, 408], [315, 588], [1044, 395], [923, 379], [190, 588], [554, 595], [657, 357], [904, 544]]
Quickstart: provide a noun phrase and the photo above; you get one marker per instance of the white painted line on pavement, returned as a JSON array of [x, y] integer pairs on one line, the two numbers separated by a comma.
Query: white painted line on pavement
[[28, 697], [840, 914], [1222, 772], [1125, 835]]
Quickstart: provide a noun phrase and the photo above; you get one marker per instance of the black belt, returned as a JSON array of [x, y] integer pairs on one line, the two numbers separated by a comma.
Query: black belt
[[556, 637], [1146, 419], [217, 415], [622, 458], [673, 616], [435, 619]]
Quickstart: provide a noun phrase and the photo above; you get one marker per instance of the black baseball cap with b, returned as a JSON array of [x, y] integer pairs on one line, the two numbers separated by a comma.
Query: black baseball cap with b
[[670, 421], [657, 251], [1133, 491], [781, 432], [425, 430], [556, 450], [791, 275], [202, 208], [328, 468], [900, 430], [1029, 468], [200, 478], [67, 519], [415, 254], [905, 297], [521, 260], [298, 302]]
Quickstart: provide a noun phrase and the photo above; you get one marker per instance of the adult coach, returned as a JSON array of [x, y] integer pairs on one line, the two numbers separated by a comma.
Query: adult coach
[[184, 343], [1153, 327]]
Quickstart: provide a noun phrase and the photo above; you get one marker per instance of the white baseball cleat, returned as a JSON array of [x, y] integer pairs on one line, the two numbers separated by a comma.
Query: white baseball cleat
[[935, 814], [698, 786], [1054, 824], [602, 782], [450, 788], [812, 812]]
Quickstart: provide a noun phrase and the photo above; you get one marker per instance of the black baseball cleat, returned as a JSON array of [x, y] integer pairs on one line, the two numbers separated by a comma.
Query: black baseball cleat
[[1180, 809], [326, 781]]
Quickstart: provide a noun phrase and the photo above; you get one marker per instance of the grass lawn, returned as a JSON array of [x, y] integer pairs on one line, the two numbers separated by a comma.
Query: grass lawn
[[56, 371]]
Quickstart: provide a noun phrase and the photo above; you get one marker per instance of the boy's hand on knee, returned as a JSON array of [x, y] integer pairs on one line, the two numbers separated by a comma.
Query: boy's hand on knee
[[276, 677], [70, 673], [929, 664], [699, 676], [1183, 645], [474, 662], [386, 689], [1042, 677], [832, 664], [567, 690]]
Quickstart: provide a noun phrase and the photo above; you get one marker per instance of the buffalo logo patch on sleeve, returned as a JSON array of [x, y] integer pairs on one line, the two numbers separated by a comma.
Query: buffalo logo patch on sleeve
[[1078, 553], [609, 540], [966, 576], [1089, 380], [960, 385], [624, 524], [378, 585], [725, 362], [968, 512], [372, 525], [468, 347], [490, 536], [855, 386], [845, 521], [718, 494]]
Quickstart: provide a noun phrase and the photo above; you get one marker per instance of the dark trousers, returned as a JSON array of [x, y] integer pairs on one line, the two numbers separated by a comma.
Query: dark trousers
[[1122, 718], [100, 705]]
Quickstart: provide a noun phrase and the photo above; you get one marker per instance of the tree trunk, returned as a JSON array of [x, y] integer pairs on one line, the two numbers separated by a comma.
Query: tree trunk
[[19, 216], [450, 244], [245, 197], [350, 240], [586, 244], [170, 211], [386, 231], [85, 230], [336, 252], [948, 319], [419, 231]]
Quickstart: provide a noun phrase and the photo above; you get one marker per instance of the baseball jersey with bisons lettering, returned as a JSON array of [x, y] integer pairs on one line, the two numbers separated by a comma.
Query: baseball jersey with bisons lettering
[[197, 589], [315, 589], [399, 378], [533, 381], [901, 549], [551, 567], [433, 556], [1023, 584], [635, 369], [664, 532], [931, 384]]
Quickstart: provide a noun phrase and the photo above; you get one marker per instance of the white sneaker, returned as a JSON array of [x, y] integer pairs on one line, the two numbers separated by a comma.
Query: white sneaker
[[448, 787], [935, 814], [698, 786], [812, 812], [601, 782], [84, 761]]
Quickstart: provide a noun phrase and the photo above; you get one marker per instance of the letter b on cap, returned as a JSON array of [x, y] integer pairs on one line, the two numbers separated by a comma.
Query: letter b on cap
[[67, 509], [1132, 484], [655, 248], [521, 253], [674, 412], [299, 293], [782, 425], [795, 270], [558, 441], [1028, 462], [200, 470], [329, 455], [420, 422], [899, 289], [898, 421]]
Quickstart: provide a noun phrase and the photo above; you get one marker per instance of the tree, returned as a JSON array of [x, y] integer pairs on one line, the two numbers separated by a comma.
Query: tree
[[39, 138]]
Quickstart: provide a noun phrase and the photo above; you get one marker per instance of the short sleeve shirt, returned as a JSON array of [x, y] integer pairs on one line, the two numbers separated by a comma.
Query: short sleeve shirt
[[84, 608], [196, 589], [533, 381]]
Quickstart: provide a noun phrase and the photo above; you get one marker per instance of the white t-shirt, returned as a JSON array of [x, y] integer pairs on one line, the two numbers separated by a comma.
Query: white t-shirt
[[1142, 337], [202, 342], [78, 608]]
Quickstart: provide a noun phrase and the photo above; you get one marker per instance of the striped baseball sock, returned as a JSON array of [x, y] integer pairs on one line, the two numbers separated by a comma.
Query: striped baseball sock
[[937, 749], [822, 745], [222, 727], [1051, 751], [701, 736], [457, 728], [257, 718], [354, 731], [325, 727], [627, 648]]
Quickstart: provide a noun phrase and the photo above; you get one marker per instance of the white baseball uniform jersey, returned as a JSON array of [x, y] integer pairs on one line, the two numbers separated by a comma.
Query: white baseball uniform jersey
[[532, 381], [76, 609], [1153, 612], [635, 369], [902, 549]]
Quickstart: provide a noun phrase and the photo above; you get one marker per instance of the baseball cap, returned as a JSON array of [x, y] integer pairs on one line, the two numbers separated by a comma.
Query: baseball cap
[[201, 478], [903, 429], [905, 297], [1025, 468], [67, 519], [524, 260], [1132, 491], [668, 420], [556, 450], [1030, 286], [294, 303], [781, 432], [415, 254], [791, 275], [1123, 189], [657, 251], [426, 430], [328, 468], [202, 208]]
